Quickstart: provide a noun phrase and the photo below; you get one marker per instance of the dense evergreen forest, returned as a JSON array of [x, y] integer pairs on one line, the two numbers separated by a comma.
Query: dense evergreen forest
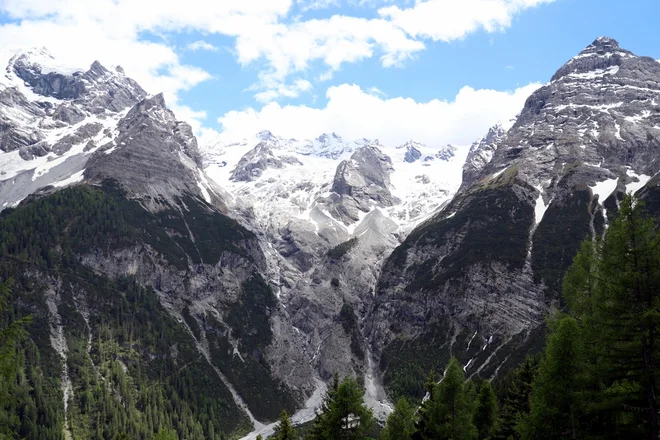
[[132, 369], [596, 378]]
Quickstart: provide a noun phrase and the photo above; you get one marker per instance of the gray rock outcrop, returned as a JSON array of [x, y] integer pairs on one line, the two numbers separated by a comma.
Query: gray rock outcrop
[[361, 182]]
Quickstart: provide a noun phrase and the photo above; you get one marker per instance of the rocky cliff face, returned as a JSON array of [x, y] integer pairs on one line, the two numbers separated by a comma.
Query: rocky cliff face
[[154, 157], [362, 182], [477, 279]]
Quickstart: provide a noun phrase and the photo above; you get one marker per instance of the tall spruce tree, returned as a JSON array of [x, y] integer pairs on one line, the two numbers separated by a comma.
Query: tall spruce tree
[[344, 414], [400, 424], [317, 432], [557, 401], [627, 312], [284, 429], [486, 412], [454, 409], [425, 423], [448, 413], [515, 390], [613, 291]]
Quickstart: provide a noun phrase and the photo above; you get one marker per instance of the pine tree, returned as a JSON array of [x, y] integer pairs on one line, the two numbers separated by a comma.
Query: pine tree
[[486, 412], [447, 414], [425, 423], [613, 291], [558, 391], [516, 389], [454, 410], [400, 424], [319, 424], [284, 429], [344, 414], [627, 309]]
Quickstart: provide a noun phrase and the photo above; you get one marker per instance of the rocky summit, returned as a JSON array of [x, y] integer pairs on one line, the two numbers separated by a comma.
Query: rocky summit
[[476, 280], [254, 270]]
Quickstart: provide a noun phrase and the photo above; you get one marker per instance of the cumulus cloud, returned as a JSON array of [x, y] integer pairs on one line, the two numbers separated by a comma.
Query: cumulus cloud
[[355, 113], [263, 32], [441, 20], [290, 91], [201, 45]]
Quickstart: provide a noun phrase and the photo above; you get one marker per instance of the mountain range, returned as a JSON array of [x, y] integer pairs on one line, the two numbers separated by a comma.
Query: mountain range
[[253, 271]]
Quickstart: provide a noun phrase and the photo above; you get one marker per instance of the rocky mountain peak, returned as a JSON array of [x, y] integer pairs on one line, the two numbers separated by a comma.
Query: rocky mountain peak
[[602, 57], [266, 135], [446, 153], [326, 138], [98, 88], [97, 70], [362, 182], [155, 157], [530, 195], [481, 153], [261, 158], [605, 43], [412, 154]]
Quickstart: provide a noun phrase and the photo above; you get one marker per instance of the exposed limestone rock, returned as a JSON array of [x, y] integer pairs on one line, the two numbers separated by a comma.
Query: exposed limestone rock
[[362, 182]]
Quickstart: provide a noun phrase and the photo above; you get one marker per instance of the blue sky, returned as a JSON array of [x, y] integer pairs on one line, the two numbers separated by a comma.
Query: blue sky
[[301, 67], [539, 41]]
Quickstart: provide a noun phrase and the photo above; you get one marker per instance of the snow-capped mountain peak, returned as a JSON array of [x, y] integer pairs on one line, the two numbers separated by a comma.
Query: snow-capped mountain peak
[[282, 179], [40, 60], [55, 118]]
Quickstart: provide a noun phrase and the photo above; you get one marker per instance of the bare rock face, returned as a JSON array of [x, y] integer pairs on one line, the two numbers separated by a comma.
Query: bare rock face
[[82, 134], [446, 153], [361, 182], [412, 154], [259, 159], [154, 156], [488, 266], [98, 88], [13, 134], [481, 152]]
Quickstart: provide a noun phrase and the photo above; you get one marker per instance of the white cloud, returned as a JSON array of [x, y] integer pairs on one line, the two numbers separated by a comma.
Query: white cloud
[[284, 48], [354, 113], [201, 45], [289, 91], [376, 91], [442, 20], [306, 5], [334, 41]]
